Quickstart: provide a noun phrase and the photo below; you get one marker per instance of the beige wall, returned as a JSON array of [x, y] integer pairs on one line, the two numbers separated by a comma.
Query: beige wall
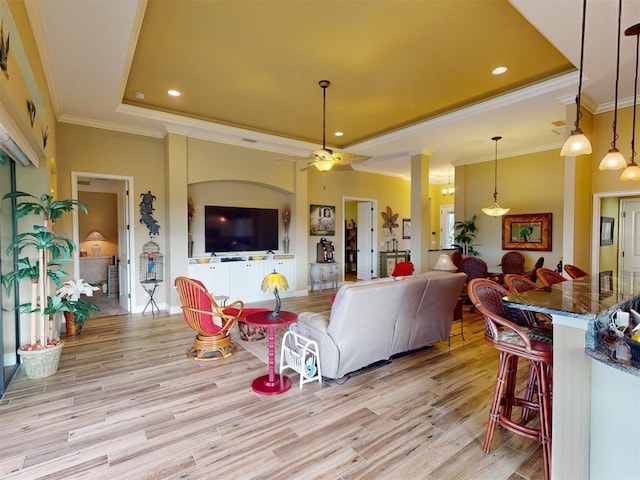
[[96, 151], [103, 216], [386, 191], [526, 184]]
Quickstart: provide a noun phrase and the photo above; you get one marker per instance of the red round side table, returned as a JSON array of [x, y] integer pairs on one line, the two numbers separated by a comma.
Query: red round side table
[[272, 383]]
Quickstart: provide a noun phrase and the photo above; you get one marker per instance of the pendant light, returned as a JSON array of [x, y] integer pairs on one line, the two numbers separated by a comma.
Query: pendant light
[[495, 210], [632, 172], [614, 160], [450, 190], [578, 143]]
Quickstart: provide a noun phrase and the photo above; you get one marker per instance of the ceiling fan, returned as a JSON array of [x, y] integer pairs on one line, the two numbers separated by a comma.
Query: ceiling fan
[[325, 159]]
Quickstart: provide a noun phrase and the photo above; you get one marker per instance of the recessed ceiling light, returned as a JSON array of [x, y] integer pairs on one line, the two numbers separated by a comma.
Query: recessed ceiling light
[[499, 70], [338, 134], [139, 95], [174, 93]]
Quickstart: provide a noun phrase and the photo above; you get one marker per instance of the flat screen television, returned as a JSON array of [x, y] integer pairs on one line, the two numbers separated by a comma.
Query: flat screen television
[[240, 229]]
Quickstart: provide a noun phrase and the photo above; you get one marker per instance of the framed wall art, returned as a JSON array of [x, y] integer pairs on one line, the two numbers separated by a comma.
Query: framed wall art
[[529, 231], [322, 220], [606, 230], [406, 228]]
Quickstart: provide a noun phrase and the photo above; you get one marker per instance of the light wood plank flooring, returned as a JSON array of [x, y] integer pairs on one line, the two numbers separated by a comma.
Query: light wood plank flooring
[[127, 403]]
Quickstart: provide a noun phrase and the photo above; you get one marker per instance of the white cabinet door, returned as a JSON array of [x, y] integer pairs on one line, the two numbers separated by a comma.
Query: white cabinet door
[[245, 279], [201, 272], [219, 279], [286, 267]]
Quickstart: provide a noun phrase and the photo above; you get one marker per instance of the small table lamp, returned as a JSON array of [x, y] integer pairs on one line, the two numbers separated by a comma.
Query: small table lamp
[[272, 283], [444, 264], [95, 236]]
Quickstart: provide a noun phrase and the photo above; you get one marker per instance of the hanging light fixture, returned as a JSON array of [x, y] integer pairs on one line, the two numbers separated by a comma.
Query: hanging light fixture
[[324, 157], [632, 172], [449, 190], [578, 143], [614, 160], [495, 210]]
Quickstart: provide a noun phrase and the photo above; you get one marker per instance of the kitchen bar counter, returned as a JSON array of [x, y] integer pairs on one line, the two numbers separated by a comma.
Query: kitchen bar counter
[[594, 434]]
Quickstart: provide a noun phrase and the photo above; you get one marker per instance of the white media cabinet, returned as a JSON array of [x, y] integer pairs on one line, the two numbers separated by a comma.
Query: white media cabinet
[[240, 276]]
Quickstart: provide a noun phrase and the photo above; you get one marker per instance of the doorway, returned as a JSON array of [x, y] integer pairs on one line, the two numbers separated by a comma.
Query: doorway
[[109, 263], [622, 255], [447, 226], [360, 250]]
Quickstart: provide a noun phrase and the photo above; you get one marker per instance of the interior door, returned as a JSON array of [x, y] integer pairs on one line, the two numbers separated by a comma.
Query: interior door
[[124, 247], [365, 241], [447, 222]]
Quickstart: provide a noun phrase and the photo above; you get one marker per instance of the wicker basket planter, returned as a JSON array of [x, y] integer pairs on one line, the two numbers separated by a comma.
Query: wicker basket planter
[[41, 363]]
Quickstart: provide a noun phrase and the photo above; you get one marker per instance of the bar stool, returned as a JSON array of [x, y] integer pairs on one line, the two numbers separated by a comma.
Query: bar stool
[[515, 342]]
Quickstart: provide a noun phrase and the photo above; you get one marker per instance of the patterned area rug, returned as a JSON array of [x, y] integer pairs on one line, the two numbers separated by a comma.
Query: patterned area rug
[[260, 348]]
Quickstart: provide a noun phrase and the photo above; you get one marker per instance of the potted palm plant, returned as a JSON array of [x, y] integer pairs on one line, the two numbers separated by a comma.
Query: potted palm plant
[[465, 236], [40, 257], [76, 310]]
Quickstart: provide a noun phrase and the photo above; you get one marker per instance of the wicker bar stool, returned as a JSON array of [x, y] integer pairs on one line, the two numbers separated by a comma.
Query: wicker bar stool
[[548, 277], [575, 272], [515, 342]]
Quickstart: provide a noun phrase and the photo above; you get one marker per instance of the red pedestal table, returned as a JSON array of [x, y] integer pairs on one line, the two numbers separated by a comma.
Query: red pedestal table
[[272, 383]]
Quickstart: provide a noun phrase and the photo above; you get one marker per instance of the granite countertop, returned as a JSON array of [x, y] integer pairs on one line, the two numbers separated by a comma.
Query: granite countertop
[[590, 299]]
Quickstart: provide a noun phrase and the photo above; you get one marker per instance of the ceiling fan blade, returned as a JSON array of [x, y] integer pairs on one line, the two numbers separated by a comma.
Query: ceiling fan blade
[[344, 158]]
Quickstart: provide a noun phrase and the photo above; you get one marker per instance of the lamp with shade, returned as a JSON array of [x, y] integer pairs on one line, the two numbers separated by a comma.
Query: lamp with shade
[[272, 283], [445, 264], [95, 236]]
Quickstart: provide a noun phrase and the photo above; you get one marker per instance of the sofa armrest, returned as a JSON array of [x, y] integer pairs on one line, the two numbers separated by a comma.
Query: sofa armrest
[[314, 323]]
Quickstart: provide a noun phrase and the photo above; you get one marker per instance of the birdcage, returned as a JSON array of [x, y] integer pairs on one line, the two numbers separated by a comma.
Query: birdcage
[[151, 263]]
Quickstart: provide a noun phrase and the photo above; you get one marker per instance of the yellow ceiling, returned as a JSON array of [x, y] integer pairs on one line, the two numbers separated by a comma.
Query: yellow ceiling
[[256, 64]]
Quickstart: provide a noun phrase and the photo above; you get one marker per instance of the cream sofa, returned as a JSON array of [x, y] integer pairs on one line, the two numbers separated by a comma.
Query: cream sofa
[[374, 320]]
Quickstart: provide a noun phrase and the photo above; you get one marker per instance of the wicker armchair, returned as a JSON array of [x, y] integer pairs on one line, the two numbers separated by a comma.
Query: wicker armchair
[[548, 277], [531, 275], [575, 272], [512, 262], [212, 323], [456, 258], [514, 343]]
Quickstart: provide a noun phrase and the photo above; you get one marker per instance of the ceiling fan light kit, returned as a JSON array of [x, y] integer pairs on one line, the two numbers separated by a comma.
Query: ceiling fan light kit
[[578, 143]]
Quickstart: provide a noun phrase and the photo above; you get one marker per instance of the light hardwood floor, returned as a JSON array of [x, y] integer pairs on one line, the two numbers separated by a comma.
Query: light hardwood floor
[[127, 403]]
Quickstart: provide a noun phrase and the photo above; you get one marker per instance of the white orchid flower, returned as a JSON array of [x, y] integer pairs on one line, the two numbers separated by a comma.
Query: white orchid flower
[[71, 290]]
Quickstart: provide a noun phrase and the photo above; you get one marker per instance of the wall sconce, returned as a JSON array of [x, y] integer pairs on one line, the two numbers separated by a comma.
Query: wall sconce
[[95, 236]]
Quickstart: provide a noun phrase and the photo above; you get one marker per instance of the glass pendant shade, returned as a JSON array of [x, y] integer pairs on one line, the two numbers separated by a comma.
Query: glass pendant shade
[[495, 210], [323, 165], [632, 172], [613, 160], [576, 144]]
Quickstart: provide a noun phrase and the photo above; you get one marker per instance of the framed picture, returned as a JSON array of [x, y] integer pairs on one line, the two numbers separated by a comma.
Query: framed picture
[[606, 230], [322, 220], [529, 231], [406, 228]]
